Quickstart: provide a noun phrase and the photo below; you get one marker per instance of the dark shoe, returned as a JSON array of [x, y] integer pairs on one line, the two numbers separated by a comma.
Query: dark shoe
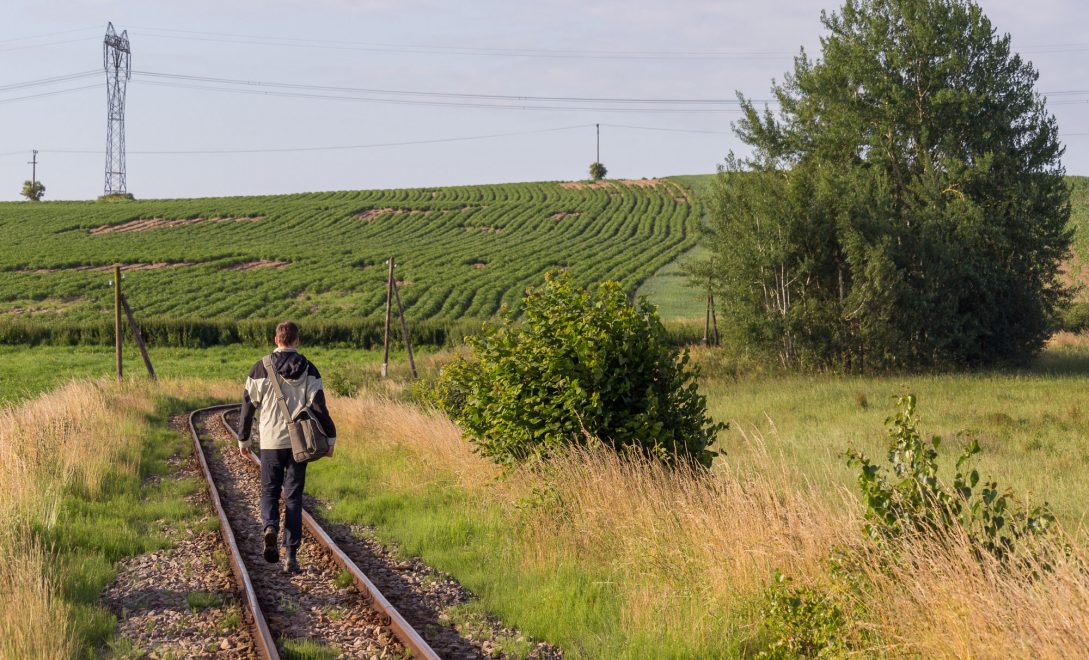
[[291, 565], [272, 553]]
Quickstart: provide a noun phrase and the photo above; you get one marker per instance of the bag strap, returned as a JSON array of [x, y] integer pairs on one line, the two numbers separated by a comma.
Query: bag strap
[[274, 378]]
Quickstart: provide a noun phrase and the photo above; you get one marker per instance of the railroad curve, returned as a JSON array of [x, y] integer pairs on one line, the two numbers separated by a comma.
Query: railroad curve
[[361, 622]]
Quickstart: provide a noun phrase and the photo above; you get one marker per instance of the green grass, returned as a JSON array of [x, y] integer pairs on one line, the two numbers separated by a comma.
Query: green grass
[[306, 649], [27, 371], [455, 532], [1032, 424], [462, 252], [671, 292], [202, 600]]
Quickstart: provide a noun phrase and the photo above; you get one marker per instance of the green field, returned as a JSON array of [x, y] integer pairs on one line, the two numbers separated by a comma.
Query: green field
[[461, 252]]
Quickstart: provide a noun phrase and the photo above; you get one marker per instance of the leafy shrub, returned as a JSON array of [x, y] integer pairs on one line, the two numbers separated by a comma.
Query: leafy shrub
[[1074, 317], [116, 197], [597, 171], [802, 622], [913, 499], [580, 366]]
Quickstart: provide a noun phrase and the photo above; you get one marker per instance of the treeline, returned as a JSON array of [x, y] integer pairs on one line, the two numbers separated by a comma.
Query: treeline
[[364, 333]]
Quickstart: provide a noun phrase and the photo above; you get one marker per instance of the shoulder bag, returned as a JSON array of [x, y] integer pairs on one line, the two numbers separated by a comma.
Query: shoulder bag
[[309, 441]]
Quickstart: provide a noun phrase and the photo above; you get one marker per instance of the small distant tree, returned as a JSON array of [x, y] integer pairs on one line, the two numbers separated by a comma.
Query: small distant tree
[[33, 191], [597, 171]]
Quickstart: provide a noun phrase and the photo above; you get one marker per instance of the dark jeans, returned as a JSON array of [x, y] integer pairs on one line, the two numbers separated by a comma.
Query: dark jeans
[[280, 471]]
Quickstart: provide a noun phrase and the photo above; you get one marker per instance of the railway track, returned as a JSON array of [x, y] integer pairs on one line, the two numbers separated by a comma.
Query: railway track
[[315, 604]]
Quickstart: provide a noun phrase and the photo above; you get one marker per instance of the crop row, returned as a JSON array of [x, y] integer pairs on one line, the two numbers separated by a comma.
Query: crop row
[[462, 252]]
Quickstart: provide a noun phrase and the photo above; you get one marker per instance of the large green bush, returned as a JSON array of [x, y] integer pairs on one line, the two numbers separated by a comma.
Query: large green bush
[[578, 367]]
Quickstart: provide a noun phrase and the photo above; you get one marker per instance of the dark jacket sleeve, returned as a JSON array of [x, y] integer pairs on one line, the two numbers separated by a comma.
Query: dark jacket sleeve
[[318, 407]]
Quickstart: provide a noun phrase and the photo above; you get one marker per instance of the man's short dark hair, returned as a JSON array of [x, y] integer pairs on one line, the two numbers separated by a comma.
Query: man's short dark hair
[[287, 333]]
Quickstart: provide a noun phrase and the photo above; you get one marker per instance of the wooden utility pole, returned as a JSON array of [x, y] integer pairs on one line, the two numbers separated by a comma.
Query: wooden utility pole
[[597, 127], [139, 338], [404, 329], [389, 301], [117, 317], [34, 170]]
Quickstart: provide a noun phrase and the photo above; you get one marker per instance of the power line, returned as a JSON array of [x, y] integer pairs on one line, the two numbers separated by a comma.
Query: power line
[[432, 49], [49, 34], [50, 43], [401, 92], [52, 93], [48, 81], [448, 104], [668, 130], [429, 49], [376, 145]]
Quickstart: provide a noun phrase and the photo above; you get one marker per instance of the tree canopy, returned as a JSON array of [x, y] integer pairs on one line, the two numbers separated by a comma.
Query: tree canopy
[[904, 207], [33, 191]]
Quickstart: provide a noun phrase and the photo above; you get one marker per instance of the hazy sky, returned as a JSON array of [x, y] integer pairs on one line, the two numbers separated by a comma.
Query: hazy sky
[[688, 49]]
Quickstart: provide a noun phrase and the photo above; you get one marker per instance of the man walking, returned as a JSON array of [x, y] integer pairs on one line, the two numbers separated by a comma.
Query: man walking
[[301, 385]]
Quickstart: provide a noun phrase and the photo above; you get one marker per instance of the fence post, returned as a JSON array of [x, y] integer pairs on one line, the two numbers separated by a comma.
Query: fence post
[[389, 300], [404, 329], [139, 338], [117, 318]]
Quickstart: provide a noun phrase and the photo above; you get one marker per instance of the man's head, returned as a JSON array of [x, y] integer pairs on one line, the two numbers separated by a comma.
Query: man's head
[[287, 334]]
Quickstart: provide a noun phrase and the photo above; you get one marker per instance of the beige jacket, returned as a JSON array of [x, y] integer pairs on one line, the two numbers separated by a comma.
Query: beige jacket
[[301, 384]]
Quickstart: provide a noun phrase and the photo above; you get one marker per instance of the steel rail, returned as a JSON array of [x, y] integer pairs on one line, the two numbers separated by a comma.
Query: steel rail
[[266, 647], [391, 617]]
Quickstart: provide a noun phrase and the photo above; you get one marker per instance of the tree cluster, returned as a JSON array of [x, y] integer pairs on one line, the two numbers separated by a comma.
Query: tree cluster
[[905, 207]]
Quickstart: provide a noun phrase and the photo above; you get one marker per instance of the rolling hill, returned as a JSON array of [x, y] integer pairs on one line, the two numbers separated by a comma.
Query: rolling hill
[[462, 252]]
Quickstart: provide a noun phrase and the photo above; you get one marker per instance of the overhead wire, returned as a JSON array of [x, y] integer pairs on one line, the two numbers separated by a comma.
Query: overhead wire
[[374, 145], [297, 42], [55, 92], [49, 81], [449, 104], [402, 92], [44, 45]]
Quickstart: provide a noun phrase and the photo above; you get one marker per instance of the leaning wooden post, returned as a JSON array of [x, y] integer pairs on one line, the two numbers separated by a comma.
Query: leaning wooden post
[[389, 300], [117, 317], [404, 329], [707, 319], [139, 338]]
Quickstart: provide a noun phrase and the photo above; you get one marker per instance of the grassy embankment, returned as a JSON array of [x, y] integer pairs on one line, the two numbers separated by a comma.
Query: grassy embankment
[[76, 498]]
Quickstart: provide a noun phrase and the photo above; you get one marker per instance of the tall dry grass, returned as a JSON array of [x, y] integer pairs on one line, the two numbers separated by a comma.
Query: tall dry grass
[[944, 600], [693, 552], [65, 441], [46, 445], [33, 620]]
